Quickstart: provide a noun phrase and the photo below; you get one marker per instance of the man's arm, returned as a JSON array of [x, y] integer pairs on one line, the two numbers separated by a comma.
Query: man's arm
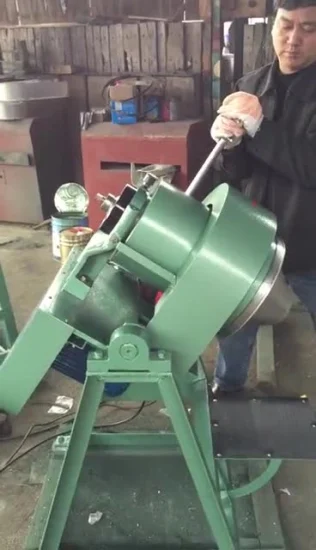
[[275, 146], [236, 163]]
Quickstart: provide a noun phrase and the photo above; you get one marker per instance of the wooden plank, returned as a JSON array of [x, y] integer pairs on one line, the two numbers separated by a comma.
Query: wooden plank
[[248, 49], [192, 10], [79, 48], [26, 34], [162, 47], [54, 12], [259, 43], [63, 44], [193, 33], [131, 41], [25, 11], [269, 54], [38, 11], [11, 12], [32, 11], [175, 47], [39, 49], [90, 49], [50, 53], [149, 51], [244, 9], [105, 45], [205, 9], [3, 14], [7, 41], [117, 49], [78, 10], [97, 50], [53, 49], [207, 47], [101, 7]]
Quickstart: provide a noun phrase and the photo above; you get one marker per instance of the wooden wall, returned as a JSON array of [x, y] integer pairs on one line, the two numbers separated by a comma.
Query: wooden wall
[[258, 49], [149, 47], [177, 53], [52, 11]]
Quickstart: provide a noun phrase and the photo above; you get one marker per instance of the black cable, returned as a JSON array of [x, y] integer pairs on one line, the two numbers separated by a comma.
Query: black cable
[[62, 418], [13, 458], [126, 77]]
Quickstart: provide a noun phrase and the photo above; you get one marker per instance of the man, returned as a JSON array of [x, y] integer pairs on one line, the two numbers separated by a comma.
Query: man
[[271, 158]]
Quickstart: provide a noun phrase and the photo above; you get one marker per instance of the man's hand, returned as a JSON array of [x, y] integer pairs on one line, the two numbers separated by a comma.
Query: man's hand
[[229, 129], [244, 108]]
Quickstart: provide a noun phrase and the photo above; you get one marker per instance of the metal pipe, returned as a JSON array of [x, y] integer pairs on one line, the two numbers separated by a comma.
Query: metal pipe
[[205, 167]]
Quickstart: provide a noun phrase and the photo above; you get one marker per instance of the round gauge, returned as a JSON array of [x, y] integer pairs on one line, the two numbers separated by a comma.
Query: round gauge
[[71, 197]]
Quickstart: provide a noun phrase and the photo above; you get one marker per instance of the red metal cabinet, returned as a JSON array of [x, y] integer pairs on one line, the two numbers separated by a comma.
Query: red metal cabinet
[[108, 151]]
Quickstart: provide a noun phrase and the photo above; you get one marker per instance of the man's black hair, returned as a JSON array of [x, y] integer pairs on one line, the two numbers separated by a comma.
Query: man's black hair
[[293, 4]]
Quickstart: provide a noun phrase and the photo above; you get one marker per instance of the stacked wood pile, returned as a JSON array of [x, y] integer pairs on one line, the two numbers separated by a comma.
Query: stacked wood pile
[[164, 48], [170, 51], [26, 12]]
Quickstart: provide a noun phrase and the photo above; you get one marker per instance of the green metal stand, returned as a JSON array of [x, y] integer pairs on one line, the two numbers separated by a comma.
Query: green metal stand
[[8, 330], [129, 359]]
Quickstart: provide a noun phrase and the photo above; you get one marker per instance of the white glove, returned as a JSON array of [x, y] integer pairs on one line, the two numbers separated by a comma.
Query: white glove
[[245, 108], [229, 129]]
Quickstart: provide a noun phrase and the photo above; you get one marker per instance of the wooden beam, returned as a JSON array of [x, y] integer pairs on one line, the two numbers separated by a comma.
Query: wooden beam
[[205, 9], [235, 9]]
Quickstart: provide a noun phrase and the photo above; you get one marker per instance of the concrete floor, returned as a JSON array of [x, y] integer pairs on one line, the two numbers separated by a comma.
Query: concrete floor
[[25, 256]]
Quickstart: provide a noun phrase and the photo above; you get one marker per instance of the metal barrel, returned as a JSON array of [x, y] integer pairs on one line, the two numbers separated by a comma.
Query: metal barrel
[[75, 236], [65, 220]]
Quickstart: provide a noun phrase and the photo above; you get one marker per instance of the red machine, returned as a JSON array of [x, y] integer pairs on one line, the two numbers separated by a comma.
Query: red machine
[[108, 151]]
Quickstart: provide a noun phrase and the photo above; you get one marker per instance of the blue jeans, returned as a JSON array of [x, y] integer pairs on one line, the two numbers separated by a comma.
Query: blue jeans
[[235, 351]]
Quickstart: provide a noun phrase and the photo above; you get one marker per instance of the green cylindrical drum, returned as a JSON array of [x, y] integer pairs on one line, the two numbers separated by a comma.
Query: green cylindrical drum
[[65, 220]]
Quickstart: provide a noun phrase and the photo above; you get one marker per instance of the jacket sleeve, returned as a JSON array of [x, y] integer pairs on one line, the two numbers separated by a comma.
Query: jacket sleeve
[[294, 159], [235, 164]]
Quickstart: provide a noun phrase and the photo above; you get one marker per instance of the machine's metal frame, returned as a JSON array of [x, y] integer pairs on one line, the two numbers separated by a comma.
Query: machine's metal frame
[[137, 354], [8, 329], [192, 433]]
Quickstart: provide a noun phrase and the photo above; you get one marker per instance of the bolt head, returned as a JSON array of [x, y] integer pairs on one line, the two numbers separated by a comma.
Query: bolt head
[[129, 352]]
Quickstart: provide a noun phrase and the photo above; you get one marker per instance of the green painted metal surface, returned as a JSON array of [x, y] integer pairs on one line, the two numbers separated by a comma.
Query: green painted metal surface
[[191, 435], [209, 259], [8, 330], [219, 272]]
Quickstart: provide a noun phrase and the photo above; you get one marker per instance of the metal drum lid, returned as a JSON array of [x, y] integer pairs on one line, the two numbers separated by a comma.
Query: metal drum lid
[[71, 197]]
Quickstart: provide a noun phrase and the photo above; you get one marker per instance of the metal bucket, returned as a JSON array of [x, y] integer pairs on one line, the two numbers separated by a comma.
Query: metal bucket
[[75, 236], [65, 220]]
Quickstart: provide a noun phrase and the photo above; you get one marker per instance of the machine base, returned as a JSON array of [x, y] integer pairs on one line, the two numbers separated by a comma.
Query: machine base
[[148, 501]]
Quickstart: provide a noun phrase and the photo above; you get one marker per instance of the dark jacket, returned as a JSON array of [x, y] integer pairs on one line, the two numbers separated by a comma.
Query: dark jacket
[[277, 168]]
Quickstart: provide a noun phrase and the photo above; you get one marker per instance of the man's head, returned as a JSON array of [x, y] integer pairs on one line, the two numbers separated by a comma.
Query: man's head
[[294, 34]]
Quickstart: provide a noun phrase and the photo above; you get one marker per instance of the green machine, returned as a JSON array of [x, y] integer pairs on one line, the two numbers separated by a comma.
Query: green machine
[[217, 264]]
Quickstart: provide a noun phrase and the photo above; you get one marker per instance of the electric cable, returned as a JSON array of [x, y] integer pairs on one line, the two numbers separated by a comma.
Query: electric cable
[[14, 458], [48, 426]]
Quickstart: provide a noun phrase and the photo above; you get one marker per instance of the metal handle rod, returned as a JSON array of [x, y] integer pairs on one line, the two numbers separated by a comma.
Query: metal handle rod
[[205, 167]]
